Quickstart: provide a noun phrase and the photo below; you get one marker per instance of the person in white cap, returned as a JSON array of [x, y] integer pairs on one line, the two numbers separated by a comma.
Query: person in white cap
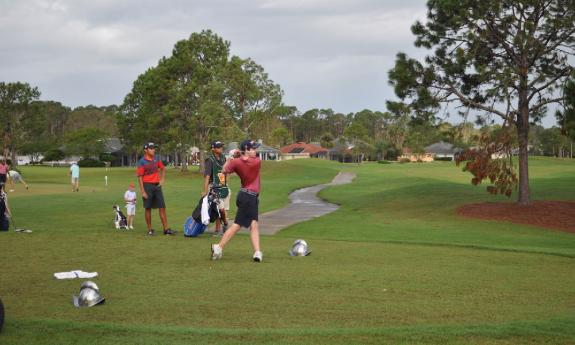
[[130, 199]]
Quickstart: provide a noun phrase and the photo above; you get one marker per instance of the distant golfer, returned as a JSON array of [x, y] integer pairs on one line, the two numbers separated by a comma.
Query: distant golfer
[[151, 175], [14, 176], [4, 167], [247, 167], [74, 173], [130, 199]]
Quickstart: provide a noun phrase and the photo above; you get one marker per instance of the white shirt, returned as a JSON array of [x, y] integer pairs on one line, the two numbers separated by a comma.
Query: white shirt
[[131, 196]]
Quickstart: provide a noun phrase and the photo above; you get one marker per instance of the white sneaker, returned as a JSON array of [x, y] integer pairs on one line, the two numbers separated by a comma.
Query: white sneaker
[[258, 256], [131, 227], [216, 252]]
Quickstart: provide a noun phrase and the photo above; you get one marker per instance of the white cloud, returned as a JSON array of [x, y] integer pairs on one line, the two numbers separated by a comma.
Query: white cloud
[[326, 45], [323, 53]]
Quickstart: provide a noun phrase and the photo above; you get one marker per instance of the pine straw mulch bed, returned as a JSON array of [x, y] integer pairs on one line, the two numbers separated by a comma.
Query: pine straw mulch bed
[[557, 215]]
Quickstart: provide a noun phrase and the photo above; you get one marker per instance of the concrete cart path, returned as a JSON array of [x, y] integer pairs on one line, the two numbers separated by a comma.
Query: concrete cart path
[[304, 205]]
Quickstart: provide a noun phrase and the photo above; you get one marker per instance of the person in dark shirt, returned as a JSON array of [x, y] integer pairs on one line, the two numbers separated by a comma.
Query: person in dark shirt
[[215, 179]]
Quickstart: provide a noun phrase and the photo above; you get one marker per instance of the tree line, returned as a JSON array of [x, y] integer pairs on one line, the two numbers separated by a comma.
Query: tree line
[[499, 59], [50, 129]]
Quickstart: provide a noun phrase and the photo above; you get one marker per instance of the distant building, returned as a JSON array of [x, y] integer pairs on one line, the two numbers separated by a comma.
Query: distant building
[[442, 150], [266, 153], [303, 150], [25, 159], [114, 147], [408, 155], [343, 152]]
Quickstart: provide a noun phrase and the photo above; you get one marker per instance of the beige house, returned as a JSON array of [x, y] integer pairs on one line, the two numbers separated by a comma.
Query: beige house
[[409, 156]]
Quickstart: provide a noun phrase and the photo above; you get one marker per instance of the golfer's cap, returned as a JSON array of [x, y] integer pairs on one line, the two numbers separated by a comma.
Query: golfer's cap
[[248, 145], [217, 144], [149, 145]]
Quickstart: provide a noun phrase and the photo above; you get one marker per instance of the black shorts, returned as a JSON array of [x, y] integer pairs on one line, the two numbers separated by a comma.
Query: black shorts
[[2, 178], [155, 196], [247, 208]]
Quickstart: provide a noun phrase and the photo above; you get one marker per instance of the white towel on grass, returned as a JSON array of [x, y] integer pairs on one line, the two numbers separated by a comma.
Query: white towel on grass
[[75, 274]]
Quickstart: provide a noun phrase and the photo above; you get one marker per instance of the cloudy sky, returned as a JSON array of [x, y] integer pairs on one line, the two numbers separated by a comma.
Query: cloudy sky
[[323, 53]]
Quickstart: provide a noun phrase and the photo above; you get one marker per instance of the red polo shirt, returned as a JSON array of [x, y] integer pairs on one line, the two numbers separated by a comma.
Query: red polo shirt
[[248, 170], [148, 169]]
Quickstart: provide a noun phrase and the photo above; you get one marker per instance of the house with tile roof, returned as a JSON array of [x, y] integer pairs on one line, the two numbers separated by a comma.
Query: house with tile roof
[[303, 150]]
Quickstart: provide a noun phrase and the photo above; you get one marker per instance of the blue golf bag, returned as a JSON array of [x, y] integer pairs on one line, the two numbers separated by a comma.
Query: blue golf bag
[[192, 228], [193, 225]]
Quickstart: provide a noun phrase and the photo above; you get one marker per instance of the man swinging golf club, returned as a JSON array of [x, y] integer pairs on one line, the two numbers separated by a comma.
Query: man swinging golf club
[[247, 166]]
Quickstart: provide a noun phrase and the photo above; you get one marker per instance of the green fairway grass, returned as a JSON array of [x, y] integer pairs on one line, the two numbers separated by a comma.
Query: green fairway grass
[[394, 264]]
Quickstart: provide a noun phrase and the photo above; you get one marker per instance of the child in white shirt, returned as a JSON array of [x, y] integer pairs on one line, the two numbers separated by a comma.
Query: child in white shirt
[[130, 198]]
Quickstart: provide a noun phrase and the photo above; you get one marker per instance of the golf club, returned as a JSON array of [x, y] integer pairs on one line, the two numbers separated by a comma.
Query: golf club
[[16, 227]]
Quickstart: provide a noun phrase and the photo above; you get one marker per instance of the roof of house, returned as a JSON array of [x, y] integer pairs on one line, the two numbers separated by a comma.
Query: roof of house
[[301, 147], [112, 145], [265, 148], [441, 148], [232, 145]]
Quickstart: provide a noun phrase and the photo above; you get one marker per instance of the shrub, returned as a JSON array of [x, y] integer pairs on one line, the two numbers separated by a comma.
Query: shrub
[[384, 162], [106, 157], [404, 160], [91, 163], [392, 153], [445, 159], [53, 155]]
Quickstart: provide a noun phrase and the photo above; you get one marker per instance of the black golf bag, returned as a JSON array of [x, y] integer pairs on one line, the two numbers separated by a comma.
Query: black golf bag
[[193, 225], [213, 210], [120, 220]]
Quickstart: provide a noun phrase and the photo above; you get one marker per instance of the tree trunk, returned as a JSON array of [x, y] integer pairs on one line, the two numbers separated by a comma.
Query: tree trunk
[[14, 157], [243, 114], [184, 161], [522, 135]]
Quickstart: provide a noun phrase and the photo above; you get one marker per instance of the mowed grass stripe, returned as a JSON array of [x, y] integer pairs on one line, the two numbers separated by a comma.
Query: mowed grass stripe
[[356, 280], [553, 331], [172, 281]]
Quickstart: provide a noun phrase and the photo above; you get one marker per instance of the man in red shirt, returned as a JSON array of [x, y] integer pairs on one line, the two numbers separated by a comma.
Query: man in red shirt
[[151, 174], [247, 167]]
